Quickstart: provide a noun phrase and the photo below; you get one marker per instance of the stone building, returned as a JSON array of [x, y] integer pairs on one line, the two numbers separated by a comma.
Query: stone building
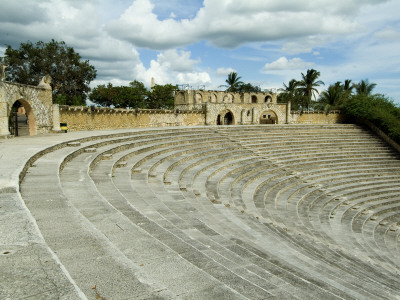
[[31, 110], [225, 108], [29, 107]]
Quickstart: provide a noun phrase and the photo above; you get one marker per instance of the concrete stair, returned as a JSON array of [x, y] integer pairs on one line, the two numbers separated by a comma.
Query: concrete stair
[[241, 212]]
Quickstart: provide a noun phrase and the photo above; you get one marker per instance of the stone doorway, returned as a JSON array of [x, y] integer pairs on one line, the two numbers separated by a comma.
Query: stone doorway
[[225, 118], [268, 117], [21, 120]]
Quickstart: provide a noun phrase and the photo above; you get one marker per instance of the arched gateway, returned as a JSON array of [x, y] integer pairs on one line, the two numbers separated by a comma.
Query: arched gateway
[[27, 110], [225, 118], [268, 117]]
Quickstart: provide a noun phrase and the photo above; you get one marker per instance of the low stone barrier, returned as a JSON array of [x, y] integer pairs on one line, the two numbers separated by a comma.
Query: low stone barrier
[[316, 117], [100, 118]]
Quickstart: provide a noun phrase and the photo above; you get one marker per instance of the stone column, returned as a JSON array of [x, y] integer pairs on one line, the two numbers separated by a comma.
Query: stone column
[[243, 116], [56, 118], [208, 116], [4, 132], [288, 110], [253, 116]]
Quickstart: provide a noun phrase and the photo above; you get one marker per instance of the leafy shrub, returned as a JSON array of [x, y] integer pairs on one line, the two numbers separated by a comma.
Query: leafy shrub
[[377, 109]]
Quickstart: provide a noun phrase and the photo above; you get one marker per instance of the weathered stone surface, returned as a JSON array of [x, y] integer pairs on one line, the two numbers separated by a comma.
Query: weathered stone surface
[[37, 102]]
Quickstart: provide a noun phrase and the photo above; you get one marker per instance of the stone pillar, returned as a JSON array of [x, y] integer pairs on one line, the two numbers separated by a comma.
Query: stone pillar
[[56, 118], [243, 116], [253, 116], [4, 132], [208, 114], [288, 109]]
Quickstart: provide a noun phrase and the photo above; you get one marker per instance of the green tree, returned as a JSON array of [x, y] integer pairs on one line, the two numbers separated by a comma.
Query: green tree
[[364, 87], [233, 82], [248, 88], [307, 86], [162, 96], [378, 109], [70, 74], [291, 93], [139, 95], [103, 95], [132, 96], [348, 86], [333, 97]]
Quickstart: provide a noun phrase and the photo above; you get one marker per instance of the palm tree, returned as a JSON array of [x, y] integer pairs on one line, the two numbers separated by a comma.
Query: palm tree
[[333, 96], [347, 86], [307, 85], [233, 82], [364, 87], [291, 87], [291, 93]]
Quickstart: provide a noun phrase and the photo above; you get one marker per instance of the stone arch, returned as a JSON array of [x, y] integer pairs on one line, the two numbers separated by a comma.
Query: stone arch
[[225, 117], [213, 98], [19, 114], [180, 98], [228, 98], [36, 102], [268, 99], [268, 117], [198, 98], [253, 99]]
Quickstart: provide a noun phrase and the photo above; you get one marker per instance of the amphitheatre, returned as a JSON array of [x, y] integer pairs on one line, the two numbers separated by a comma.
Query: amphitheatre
[[141, 204]]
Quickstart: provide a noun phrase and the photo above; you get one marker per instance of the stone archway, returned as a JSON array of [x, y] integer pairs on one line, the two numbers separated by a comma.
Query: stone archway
[[33, 102], [213, 98], [253, 99], [21, 119], [225, 117], [228, 98], [198, 98], [268, 117], [180, 98], [268, 99]]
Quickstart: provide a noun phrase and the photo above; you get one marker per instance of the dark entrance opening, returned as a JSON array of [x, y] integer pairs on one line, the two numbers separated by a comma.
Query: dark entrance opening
[[228, 118], [219, 120], [18, 120]]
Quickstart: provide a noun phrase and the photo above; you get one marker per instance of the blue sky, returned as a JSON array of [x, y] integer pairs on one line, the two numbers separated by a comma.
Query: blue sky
[[267, 42]]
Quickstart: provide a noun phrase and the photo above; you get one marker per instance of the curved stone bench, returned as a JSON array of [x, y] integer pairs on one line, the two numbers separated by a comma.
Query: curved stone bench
[[209, 212]]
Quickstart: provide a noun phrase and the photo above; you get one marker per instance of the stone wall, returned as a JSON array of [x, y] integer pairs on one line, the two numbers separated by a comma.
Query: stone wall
[[247, 113], [192, 98], [310, 117], [94, 118], [37, 102]]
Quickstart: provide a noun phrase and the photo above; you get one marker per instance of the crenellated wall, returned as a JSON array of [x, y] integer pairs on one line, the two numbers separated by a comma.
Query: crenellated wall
[[94, 118], [192, 108], [311, 117]]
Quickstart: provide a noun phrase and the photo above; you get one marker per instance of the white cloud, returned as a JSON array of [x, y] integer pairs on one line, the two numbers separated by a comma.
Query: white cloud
[[179, 61], [224, 71], [389, 34], [172, 66], [287, 64], [230, 23]]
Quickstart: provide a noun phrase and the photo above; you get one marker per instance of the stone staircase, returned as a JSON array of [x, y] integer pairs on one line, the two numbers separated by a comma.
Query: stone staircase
[[230, 212]]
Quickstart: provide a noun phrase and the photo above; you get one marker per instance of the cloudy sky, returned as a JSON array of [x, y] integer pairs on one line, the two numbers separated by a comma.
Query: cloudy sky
[[195, 42]]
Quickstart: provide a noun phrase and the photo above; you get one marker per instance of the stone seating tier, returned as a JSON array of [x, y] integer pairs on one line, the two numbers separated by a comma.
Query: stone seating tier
[[241, 212]]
